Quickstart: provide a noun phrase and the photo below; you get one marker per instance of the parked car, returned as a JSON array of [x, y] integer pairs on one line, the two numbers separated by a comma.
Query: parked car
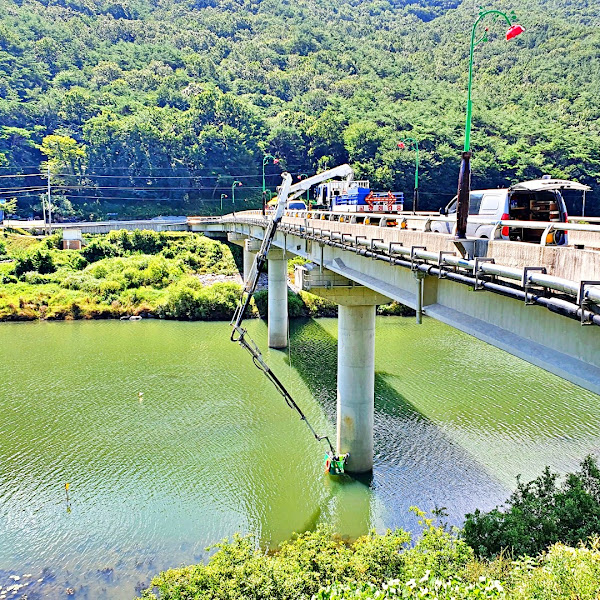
[[536, 200]]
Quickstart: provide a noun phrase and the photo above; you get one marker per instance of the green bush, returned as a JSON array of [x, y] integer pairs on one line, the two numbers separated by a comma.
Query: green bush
[[98, 249], [427, 587], [188, 300], [54, 241], [395, 309], [540, 513], [38, 260], [316, 306], [563, 573], [239, 570]]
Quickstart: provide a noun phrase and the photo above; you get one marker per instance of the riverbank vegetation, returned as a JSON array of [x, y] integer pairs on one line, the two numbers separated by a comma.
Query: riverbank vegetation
[[440, 565], [132, 273]]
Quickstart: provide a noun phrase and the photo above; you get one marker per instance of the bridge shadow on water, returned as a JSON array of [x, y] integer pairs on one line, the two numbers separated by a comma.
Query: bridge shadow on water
[[416, 461]]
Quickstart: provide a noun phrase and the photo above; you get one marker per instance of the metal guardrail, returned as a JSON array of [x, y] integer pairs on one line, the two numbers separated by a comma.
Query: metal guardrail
[[402, 219], [447, 265]]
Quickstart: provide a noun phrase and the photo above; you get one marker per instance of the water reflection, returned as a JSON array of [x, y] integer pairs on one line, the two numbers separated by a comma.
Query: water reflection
[[415, 461]]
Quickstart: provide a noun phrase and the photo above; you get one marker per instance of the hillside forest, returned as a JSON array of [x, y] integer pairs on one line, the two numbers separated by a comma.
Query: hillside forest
[[144, 107]]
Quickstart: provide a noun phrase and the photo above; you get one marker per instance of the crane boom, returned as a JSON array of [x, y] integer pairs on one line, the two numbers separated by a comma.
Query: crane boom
[[334, 464]]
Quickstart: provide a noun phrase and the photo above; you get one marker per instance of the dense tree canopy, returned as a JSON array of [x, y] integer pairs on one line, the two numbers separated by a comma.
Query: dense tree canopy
[[173, 100]]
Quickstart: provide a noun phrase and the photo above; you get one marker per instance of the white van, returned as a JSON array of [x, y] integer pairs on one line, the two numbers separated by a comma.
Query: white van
[[536, 200]]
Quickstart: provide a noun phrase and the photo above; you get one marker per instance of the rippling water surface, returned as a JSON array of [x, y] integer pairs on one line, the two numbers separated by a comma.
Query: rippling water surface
[[211, 448]]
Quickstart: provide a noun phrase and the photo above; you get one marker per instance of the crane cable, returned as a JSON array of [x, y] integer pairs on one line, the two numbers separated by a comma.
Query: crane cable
[[260, 364]]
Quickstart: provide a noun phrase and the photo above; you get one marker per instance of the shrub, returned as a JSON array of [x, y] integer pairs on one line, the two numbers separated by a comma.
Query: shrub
[[395, 309], [240, 570], [78, 262], [427, 587], [563, 573], [438, 551], [38, 260], [133, 277], [54, 241], [317, 306], [35, 278], [98, 249], [540, 513]]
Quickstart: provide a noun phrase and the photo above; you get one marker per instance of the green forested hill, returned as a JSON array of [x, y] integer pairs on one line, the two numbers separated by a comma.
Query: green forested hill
[[174, 100]]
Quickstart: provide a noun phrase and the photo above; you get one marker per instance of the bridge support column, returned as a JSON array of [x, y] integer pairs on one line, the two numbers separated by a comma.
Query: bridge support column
[[277, 300], [356, 361], [356, 385]]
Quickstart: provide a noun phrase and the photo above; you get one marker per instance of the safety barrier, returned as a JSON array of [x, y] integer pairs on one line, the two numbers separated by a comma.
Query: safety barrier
[[479, 272]]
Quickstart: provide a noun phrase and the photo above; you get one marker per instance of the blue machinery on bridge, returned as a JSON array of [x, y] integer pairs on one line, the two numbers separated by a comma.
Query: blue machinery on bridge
[[334, 463]]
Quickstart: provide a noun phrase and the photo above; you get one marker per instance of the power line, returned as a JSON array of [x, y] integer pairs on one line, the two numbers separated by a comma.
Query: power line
[[19, 176], [126, 188], [9, 191], [145, 199]]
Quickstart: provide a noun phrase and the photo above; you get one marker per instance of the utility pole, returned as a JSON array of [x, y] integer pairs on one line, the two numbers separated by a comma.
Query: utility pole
[[44, 210], [49, 203]]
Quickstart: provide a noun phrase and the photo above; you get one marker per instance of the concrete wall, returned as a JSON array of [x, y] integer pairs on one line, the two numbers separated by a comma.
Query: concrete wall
[[566, 262]]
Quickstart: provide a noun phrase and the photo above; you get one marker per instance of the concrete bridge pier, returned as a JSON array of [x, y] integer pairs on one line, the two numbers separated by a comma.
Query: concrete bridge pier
[[356, 361], [356, 385], [277, 300]]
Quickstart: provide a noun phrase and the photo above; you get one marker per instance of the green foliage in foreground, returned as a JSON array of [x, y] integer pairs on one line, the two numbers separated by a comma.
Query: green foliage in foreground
[[563, 573], [440, 566], [302, 566], [540, 513]]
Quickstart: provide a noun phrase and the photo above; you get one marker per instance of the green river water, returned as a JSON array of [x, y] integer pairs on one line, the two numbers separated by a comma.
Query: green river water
[[211, 449]]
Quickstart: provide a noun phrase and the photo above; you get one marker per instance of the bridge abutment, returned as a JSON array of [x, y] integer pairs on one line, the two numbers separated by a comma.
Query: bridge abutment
[[277, 300]]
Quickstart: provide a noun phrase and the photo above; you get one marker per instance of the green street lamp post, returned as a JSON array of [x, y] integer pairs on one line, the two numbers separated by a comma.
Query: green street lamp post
[[235, 184], [402, 144], [266, 159], [464, 175], [223, 196], [300, 178]]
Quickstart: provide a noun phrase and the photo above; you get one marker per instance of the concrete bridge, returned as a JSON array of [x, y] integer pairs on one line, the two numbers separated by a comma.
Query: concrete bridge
[[97, 227], [540, 303]]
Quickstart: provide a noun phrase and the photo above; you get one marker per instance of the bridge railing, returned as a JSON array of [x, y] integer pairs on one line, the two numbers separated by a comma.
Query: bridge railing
[[403, 220], [450, 265]]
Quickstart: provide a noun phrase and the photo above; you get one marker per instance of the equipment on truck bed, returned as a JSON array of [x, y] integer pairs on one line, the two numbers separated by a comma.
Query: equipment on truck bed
[[335, 463], [356, 196]]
